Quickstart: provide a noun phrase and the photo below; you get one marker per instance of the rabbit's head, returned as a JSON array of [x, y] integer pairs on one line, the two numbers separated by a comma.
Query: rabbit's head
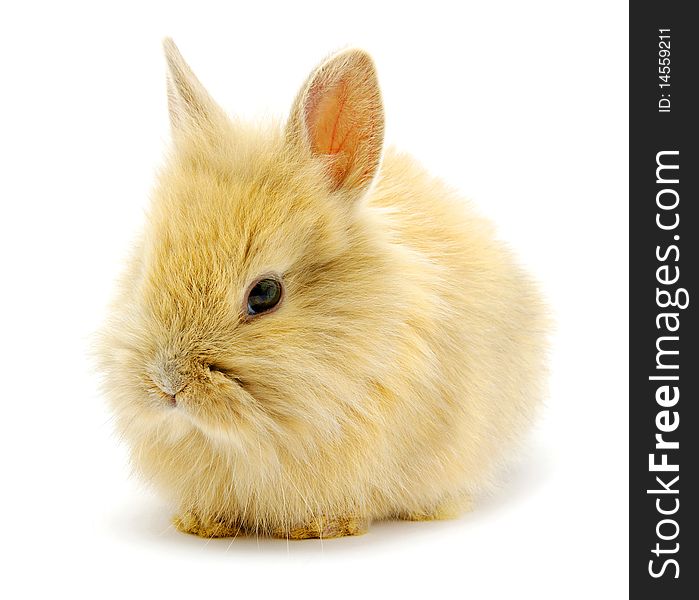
[[260, 305]]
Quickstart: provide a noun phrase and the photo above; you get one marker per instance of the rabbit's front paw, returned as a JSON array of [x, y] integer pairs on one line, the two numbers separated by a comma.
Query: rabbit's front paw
[[324, 528], [190, 522]]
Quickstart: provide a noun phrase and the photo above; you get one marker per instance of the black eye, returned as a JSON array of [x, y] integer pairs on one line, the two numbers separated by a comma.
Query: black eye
[[264, 296]]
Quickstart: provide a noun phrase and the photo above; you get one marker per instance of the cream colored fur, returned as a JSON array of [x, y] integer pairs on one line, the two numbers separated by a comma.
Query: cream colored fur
[[405, 359]]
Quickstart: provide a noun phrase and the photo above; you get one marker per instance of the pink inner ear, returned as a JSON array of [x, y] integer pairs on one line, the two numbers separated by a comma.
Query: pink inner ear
[[339, 125], [326, 119]]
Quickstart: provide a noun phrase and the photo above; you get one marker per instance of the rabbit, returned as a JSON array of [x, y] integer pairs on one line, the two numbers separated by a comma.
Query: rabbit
[[312, 332]]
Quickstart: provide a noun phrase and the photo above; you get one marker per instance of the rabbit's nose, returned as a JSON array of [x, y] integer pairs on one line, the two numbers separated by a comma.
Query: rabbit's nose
[[170, 385], [169, 378]]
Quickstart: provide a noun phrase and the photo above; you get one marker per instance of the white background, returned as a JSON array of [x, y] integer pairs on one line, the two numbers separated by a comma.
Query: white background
[[521, 105]]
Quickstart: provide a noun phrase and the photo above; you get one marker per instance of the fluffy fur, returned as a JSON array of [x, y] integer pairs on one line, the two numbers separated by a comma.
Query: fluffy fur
[[404, 360]]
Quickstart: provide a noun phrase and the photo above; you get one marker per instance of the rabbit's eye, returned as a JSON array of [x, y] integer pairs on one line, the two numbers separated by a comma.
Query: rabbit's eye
[[264, 296]]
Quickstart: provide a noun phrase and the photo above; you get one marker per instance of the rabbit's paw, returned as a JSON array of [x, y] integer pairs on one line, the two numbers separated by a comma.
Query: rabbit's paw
[[449, 508], [324, 528], [190, 522]]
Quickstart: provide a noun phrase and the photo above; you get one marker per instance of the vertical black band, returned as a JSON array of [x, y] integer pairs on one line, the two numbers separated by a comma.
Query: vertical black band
[[664, 265]]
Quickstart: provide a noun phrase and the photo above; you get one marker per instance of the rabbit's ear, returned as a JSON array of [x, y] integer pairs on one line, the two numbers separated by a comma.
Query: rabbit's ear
[[338, 115], [191, 107]]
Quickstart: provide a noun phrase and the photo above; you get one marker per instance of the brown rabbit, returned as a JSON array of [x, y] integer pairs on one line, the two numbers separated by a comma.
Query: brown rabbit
[[312, 333]]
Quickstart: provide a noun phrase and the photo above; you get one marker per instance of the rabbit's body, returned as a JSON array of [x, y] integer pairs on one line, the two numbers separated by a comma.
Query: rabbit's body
[[404, 359]]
